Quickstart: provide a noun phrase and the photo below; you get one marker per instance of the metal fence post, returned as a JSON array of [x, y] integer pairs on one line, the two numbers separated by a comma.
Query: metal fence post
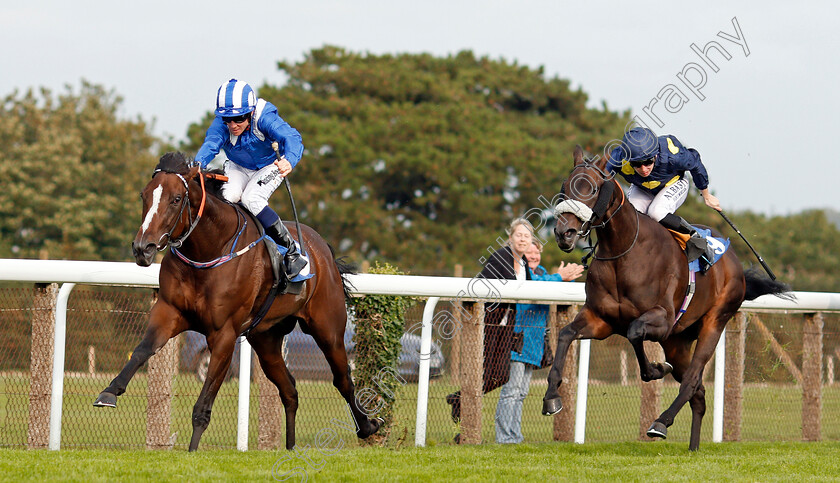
[[719, 384], [243, 411], [582, 390], [57, 396], [423, 372]]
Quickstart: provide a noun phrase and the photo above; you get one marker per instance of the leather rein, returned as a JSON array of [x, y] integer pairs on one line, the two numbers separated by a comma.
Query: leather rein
[[598, 212], [604, 224], [176, 243]]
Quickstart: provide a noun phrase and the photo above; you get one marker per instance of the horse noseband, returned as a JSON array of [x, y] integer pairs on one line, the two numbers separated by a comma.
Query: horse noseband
[[587, 215]]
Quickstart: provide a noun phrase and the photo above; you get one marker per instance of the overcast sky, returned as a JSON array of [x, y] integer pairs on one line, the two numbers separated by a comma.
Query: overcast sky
[[764, 128]]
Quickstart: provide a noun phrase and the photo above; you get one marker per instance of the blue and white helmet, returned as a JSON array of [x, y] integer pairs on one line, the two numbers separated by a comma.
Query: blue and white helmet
[[235, 98]]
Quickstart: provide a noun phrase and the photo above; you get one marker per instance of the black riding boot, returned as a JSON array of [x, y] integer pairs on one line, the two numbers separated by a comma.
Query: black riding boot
[[696, 245], [293, 261]]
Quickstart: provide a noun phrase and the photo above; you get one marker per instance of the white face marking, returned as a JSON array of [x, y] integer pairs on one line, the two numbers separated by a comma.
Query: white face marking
[[154, 208]]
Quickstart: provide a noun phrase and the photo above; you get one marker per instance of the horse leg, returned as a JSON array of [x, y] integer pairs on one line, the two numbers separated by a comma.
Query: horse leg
[[585, 326], [221, 346], [678, 351], [165, 322], [652, 325], [268, 347], [333, 348], [698, 410], [691, 389]]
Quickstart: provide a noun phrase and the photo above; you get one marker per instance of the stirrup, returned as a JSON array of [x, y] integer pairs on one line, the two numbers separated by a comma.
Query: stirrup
[[294, 263], [695, 247]]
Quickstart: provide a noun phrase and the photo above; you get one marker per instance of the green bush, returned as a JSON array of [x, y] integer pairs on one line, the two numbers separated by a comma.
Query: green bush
[[380, 321]]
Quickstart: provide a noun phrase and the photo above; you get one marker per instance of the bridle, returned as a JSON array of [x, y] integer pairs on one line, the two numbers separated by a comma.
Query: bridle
[[185, 203], [596, 213], [176, 243]]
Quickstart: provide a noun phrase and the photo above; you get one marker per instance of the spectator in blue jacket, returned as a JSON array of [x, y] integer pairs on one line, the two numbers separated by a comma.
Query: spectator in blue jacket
[[529, 343], [245, 128]]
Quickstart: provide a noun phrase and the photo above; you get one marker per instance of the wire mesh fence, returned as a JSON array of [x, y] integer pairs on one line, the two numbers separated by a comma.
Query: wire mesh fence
[[104, 324]]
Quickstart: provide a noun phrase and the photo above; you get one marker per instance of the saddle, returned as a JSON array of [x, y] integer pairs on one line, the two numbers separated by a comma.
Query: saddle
[[282, 284], [715, 248], [681, 238]]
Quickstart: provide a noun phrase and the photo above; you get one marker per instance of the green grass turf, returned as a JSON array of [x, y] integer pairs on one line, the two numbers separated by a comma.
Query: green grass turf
[[659, 461]]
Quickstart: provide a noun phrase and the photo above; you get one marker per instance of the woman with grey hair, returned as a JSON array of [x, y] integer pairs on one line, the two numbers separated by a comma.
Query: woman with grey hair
[[509, 263]]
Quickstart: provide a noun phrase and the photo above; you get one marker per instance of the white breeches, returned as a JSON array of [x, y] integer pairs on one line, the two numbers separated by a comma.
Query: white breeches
[[666, 201], [252, 188]]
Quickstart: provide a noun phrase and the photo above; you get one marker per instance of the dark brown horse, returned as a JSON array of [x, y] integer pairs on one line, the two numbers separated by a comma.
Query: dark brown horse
[[637, 284], [220, 302]]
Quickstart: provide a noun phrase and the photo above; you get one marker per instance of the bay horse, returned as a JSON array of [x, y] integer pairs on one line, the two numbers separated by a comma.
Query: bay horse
[[220, 302], [636, 285]]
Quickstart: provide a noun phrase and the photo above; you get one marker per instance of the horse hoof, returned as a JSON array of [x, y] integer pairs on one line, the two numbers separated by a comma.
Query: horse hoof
[[667, 369], [106, 400], [657, 430], [552, 406], [454, 400], [377, 423]]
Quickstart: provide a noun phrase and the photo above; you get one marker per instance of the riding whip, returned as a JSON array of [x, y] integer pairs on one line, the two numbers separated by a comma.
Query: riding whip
[[760, 260], [276, 148]]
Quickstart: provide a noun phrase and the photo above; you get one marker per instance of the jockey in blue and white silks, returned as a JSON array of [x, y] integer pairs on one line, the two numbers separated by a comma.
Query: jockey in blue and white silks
[[245, 128], [655, 168]]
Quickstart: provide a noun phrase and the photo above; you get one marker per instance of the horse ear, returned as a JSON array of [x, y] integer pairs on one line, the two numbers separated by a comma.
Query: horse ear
[[193, 172], [601, 162], [578, 154]]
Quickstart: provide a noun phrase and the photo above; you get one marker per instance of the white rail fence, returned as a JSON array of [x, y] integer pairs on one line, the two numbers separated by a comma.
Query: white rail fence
[[70, 273]]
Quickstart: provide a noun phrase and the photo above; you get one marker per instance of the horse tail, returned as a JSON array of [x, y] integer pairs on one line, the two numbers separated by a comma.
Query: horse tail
[[344, 268], [758, 285]]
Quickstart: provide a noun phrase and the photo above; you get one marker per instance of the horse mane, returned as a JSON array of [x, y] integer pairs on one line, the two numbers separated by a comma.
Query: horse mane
[[214, 185], [180, 163]]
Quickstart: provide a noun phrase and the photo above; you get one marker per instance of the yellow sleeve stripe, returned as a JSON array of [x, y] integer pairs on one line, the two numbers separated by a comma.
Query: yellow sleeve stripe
[[672, 181]]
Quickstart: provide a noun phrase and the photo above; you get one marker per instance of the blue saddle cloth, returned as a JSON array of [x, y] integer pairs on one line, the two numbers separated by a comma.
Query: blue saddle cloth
[[720, 245]]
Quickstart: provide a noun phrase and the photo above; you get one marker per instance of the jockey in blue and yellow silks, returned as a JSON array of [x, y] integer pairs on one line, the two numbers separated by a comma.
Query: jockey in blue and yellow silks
[[655, 168], [245, 128]]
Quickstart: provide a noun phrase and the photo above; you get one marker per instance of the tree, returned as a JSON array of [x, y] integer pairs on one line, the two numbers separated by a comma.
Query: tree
[[71, 172], [422, 161]]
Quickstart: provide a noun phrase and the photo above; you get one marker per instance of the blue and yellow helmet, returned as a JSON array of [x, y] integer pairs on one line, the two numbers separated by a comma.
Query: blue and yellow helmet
[[639, 143], [235, 98]]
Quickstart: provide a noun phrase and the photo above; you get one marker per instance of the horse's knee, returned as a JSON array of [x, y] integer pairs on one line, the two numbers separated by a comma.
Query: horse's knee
[[636, 332], [343, 382], [567, 335], [200, 416], [698, 401], [289, 398]]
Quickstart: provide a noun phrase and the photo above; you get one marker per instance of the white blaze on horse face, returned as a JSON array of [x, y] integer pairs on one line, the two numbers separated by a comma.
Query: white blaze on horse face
[[150, 215]]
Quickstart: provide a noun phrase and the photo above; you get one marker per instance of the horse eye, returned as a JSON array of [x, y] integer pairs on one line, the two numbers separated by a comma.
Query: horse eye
[[176, 200]]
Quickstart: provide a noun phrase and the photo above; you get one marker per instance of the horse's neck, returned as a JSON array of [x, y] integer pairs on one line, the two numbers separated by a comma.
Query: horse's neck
[[621, 229], [218, 225]]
